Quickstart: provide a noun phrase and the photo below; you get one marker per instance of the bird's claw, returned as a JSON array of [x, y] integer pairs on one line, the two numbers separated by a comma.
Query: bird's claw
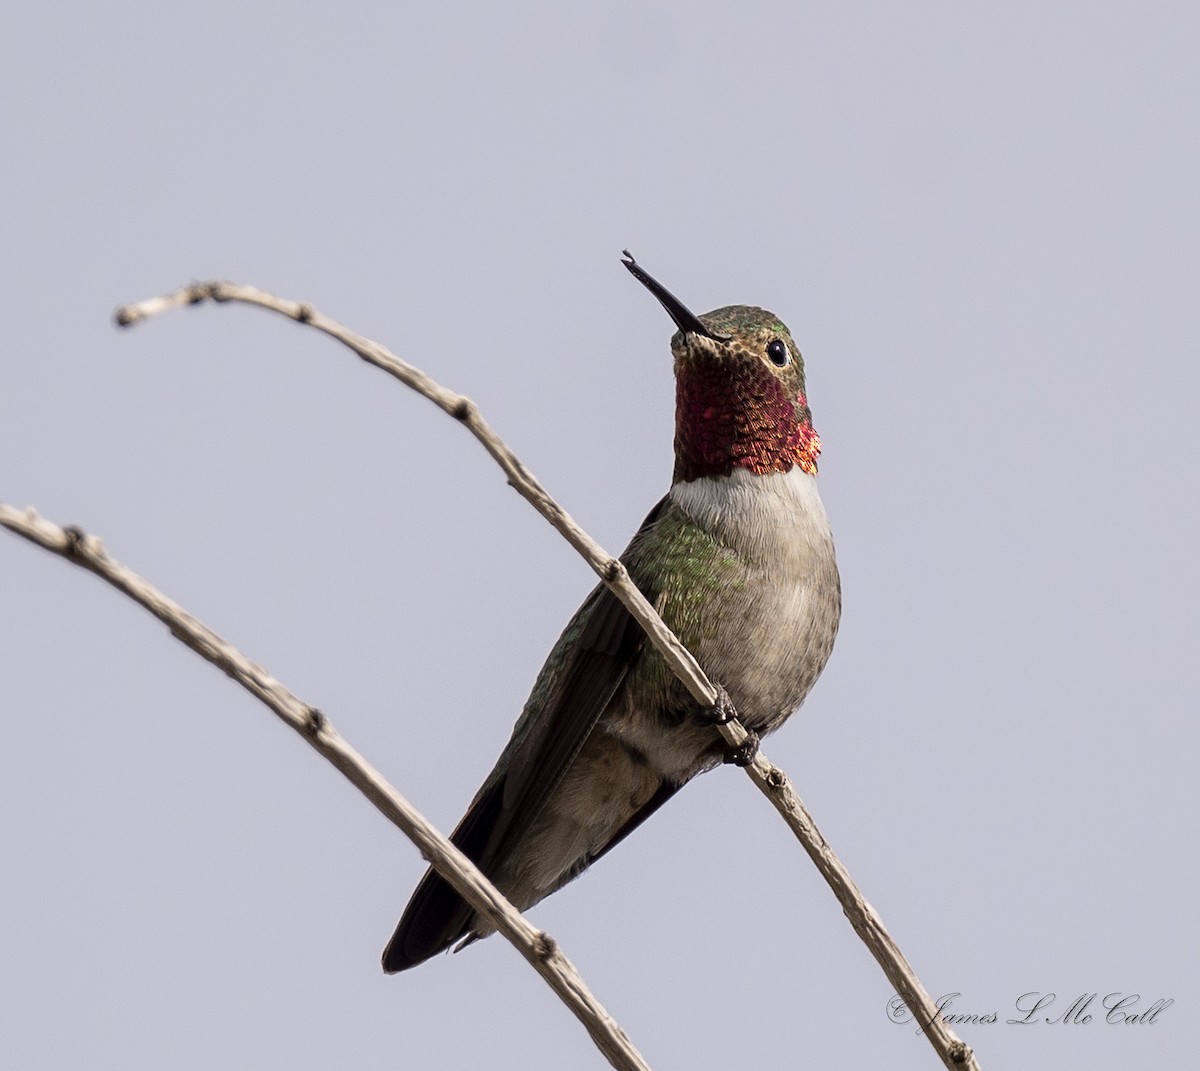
[[746, 752], [721, 712]]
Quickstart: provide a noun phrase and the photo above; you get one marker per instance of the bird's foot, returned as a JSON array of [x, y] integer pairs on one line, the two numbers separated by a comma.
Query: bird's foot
[[721, 713], [746, 752]]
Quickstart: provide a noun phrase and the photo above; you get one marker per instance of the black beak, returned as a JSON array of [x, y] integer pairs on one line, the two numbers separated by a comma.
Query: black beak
[[687, 321]]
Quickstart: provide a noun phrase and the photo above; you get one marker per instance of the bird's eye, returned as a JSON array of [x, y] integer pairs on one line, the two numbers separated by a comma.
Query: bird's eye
[[778, 353]]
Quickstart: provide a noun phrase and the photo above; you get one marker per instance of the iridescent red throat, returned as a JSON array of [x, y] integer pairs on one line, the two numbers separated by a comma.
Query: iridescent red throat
[[736, 414]]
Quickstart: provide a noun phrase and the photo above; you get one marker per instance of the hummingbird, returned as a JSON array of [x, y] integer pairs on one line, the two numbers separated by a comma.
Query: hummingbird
[[737, 559]]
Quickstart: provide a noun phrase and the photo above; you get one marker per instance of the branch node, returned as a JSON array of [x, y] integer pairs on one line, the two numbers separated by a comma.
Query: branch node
[[314, 722], [775, 777], [544, 945], [463, 410], [76, 541], [305, 312], [613, 570]]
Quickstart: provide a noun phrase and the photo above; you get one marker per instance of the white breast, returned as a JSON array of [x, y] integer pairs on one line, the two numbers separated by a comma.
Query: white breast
[[769, 640], [778, 518]]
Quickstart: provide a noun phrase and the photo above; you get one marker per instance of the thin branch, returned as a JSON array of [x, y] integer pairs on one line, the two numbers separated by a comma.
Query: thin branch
[[538, 947], [771, 781], [769, 778], [609, 569]]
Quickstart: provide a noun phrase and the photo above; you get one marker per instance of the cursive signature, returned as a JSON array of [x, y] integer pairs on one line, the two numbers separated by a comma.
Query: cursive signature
[[1038, 1007]]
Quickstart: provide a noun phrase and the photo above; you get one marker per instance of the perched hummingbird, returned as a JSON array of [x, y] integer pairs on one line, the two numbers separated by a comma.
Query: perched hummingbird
[[739, 562]]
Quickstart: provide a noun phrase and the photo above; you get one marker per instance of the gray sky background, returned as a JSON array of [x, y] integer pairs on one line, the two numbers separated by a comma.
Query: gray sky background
[[980, 222]]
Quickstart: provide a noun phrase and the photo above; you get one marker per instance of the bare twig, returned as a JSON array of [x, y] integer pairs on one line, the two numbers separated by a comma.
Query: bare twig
[[769, 778], [771, 781], [538, 947], [459, 406]]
